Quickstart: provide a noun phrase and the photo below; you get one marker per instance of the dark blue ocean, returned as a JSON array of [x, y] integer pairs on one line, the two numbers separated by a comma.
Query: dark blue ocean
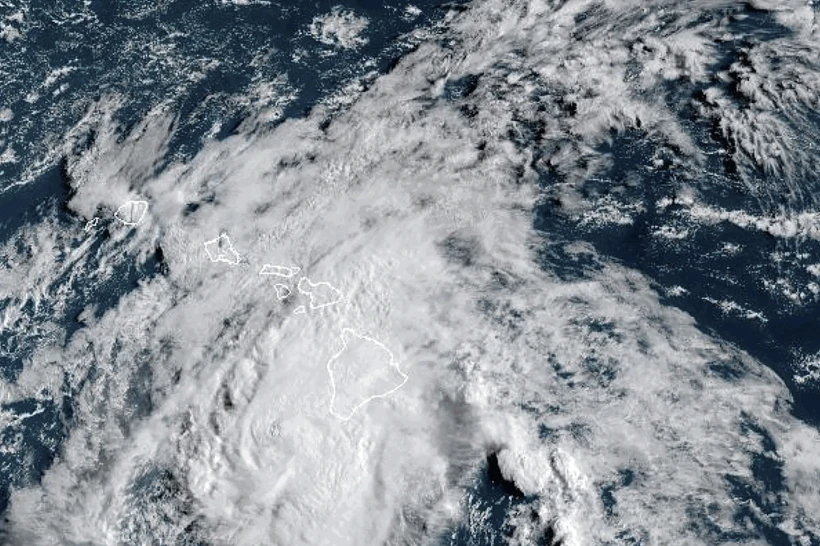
[[147, 54], [144, 53]]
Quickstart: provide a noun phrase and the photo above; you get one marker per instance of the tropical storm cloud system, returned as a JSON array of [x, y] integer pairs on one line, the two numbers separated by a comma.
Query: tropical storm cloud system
[[409, 273]]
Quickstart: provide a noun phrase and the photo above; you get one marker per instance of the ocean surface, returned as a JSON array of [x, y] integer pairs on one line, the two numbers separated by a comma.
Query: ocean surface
[[579, 243]]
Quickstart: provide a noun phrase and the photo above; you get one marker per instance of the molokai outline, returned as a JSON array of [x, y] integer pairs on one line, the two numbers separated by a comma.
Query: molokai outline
[[283, 271]]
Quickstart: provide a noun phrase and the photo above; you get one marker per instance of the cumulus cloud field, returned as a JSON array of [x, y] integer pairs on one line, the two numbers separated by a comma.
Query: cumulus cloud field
[[201, 400]]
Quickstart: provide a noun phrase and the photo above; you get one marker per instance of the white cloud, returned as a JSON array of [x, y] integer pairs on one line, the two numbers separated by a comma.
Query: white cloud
[[340, 28], [237, 426]]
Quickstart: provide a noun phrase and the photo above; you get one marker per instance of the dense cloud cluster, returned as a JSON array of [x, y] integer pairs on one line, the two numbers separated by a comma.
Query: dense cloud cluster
[[200, 400]]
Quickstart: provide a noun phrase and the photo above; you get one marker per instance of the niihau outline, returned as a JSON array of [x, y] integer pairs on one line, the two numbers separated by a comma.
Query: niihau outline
[[91, 224], [221, 254], [309, 293], [393, 364], [131, 203]]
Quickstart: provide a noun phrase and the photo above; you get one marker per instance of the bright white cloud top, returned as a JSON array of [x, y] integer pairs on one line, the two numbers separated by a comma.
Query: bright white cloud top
[[362, 371], [625, 420]]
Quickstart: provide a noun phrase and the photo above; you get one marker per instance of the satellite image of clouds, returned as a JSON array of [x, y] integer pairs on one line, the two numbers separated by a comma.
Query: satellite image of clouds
[[409, 273]]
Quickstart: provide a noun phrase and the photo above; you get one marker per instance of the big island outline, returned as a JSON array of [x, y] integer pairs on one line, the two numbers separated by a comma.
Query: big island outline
[[349, 394]]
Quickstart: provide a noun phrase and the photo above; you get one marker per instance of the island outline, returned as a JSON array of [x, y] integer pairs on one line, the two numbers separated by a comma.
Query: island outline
[[393, 364]]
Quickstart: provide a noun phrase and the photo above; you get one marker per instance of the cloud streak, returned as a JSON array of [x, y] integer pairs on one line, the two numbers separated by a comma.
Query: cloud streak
[[201, 405]]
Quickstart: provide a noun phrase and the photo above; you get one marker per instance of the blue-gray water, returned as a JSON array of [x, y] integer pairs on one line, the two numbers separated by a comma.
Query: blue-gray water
[[145, 55], [107, 48]]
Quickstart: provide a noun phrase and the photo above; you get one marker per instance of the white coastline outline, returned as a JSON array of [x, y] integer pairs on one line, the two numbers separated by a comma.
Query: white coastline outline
[[279, 270], [221, 257], [91, 224], [393, 364], [282, 291], [309, 293], [131, 203]]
